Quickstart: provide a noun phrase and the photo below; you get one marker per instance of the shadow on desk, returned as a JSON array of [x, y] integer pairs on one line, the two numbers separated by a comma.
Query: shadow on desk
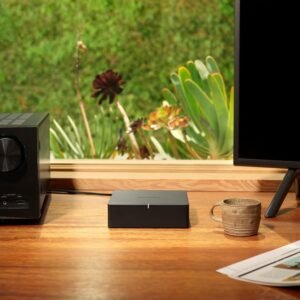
[[193, 217], [287, 221], [286, 210]]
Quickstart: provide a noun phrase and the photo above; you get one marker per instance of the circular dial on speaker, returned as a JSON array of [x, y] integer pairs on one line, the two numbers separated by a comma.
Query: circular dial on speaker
[[11, 154]]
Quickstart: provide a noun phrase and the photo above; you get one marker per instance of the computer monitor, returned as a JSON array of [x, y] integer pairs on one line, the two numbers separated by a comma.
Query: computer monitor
[[267, 89]]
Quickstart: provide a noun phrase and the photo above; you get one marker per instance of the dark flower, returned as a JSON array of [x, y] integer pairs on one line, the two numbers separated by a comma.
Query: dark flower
[[122, 144], [135, 125], [107, 84], [145, 152]]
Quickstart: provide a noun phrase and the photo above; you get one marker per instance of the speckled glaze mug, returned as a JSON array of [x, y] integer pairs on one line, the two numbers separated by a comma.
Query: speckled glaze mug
[[240, 217]]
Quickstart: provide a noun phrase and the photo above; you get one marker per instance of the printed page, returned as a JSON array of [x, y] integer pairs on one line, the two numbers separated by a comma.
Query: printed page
[[280, 267], [284, 272]]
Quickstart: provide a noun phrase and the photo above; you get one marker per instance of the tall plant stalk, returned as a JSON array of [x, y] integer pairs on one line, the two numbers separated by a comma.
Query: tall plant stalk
[[80, 101], [134, 144]]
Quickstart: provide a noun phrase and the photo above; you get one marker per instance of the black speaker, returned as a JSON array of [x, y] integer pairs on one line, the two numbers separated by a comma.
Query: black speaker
[[24, 164]]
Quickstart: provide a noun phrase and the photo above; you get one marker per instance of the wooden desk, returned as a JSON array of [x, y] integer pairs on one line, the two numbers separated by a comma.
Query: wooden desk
[[73, 255]]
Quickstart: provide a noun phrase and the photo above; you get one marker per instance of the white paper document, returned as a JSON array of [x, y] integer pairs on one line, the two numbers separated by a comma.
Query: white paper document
[[279, 267]]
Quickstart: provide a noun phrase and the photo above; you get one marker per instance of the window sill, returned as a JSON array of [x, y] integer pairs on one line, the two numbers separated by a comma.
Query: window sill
[[213, 175]]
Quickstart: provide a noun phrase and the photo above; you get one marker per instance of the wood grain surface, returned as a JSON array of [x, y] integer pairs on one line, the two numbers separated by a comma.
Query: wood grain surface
[[73, 255], [208, 175]]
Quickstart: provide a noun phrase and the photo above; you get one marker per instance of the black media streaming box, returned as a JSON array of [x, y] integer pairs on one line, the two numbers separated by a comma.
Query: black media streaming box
[[148, 209]]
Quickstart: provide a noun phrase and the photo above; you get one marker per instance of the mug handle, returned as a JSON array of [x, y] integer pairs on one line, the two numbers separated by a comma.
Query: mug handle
[[212, 215]]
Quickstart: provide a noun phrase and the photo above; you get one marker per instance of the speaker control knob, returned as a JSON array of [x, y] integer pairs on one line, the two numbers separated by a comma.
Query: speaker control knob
[[11, 154]]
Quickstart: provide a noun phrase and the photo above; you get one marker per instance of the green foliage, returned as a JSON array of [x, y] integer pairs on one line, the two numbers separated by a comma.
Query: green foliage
[[70, 140], [143, 40], [200, 90]]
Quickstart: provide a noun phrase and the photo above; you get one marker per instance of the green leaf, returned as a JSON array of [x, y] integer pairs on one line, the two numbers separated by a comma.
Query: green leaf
[[227, 147], [191, 106], [203, 72], [55, 144], [159, 148], [219, 78], [231, 108], [199, 142], [207, 107], [65, 137], [220, 104], [56, 137], [176, 82], [212, 65], [184, 73], [194, 72], [183, 151], [170, 97], [186, 101], [73, 125], [81, 153]]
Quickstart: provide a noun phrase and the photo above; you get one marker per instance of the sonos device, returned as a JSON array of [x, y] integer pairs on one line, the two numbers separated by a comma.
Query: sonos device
[[148, 209], [24, 164]]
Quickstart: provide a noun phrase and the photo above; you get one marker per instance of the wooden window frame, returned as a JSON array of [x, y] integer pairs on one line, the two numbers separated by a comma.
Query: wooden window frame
[[190, 175]]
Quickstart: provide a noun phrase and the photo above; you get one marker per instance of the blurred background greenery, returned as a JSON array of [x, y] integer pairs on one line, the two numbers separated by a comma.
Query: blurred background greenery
[[144, 40]]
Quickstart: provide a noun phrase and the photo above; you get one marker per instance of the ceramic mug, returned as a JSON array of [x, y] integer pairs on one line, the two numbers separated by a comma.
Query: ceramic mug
[[240, 217]]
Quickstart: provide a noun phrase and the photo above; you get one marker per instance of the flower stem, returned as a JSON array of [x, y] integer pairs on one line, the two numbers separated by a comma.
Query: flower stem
[[190, 148], [131, 136], [81, 104], [147, 143], [173, 145]]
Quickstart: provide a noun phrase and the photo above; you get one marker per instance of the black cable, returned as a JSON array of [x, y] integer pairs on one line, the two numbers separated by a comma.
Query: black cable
[[76, 192]]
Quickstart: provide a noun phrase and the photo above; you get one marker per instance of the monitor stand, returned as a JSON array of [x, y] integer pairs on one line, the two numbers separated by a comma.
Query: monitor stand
[[282, 191]]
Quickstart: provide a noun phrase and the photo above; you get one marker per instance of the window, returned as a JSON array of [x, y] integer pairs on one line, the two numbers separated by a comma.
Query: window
[[56, 57]]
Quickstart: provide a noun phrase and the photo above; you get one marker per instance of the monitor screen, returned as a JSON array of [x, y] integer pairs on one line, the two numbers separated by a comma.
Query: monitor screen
[[267, 84]]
